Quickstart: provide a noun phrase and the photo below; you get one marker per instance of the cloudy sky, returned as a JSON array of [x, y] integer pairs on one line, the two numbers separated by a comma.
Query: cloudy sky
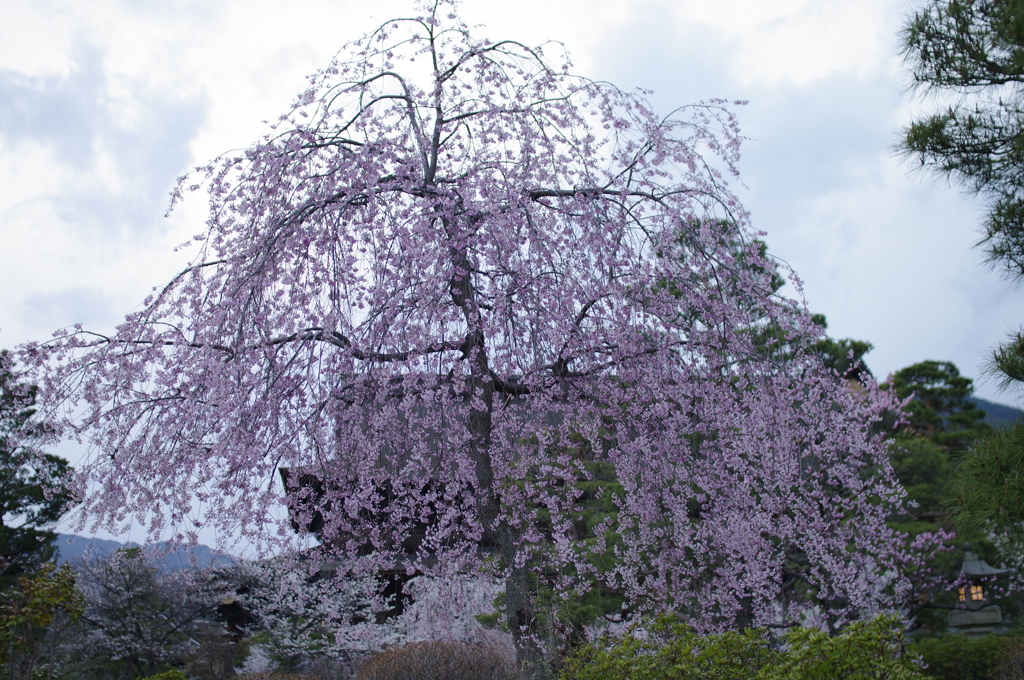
[[103, 104]]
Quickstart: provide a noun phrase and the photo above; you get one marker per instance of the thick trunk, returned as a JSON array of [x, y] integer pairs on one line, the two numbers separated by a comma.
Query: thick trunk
[[519, 613]]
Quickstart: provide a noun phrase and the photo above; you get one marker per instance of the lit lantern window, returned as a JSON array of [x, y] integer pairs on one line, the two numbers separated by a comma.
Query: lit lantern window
[[972, 592]]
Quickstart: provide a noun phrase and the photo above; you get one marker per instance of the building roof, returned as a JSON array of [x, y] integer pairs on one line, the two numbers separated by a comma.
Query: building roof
[[977, 567]]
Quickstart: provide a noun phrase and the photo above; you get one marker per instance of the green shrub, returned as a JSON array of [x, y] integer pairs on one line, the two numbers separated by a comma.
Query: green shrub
[[440, 660], [958, 657], [672, 651], [1011, 661], [870, 650], [173, 674], [865, 650]]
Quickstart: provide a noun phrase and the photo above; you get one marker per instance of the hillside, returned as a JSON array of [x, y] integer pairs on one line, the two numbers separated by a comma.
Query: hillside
[[997, 415], [71, 548]]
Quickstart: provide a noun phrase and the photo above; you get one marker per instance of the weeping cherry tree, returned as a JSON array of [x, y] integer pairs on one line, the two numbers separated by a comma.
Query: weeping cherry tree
[[447, 288]]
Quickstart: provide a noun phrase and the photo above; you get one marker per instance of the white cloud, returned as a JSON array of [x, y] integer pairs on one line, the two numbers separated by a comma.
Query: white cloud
[[794, 41], [35, 42]]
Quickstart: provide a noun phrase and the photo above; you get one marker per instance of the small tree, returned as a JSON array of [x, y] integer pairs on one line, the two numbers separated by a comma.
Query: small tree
[[939, 409], [139, 615], [940, 425], [300, 617], [33, 616], [447, 282]]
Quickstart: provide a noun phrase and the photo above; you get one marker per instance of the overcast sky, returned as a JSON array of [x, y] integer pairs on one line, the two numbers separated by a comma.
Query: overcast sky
[[103, 104]]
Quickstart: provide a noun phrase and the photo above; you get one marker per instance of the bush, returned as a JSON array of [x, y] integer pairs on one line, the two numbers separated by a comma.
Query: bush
[[173, 674], [672, 651], [865, 650], [440, 660], [1011, 661], [958, 657]]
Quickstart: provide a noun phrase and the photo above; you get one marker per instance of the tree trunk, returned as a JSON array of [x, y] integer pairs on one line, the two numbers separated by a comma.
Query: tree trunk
[[745, 616], [519, 613]]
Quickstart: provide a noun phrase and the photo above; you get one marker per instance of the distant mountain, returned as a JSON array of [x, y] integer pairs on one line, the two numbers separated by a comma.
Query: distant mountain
[[71, 548], [997, 415]]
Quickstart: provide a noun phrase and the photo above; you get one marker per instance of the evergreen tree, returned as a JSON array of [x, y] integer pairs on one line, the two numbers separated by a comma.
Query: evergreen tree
[[941, 426], [31, 496], [940, 411], [845, 356], [988, 491], [941, 431], [974, 50]]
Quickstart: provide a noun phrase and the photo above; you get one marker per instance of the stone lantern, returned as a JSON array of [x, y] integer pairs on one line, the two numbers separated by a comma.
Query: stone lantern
[[979, 616]]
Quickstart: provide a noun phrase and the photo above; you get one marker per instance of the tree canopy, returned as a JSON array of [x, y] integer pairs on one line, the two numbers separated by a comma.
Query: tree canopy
[[988, 491], [447, 286], [972, 51], [939, 409]]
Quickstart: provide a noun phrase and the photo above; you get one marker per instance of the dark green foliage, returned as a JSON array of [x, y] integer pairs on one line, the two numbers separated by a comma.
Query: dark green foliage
[[441, 660], [958, 657], [1008, 362], [925, 471], [974, 49], [942, 424], [844, 356], [988, 490], [31, 496], [672, 651], [34, 615], [560, 620], [940, 410]]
